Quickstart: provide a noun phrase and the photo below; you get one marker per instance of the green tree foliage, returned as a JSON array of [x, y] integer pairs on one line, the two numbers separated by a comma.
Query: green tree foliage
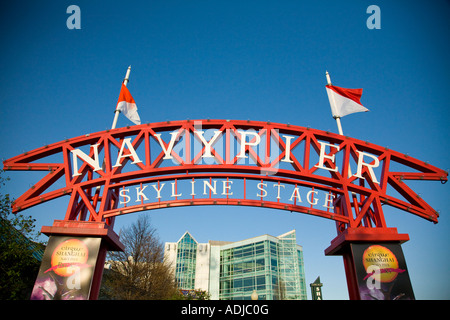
[[18, 267]]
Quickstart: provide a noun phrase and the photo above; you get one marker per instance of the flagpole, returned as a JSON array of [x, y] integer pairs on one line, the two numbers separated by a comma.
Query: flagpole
[[117, 111], [338, 119], [116, 116]]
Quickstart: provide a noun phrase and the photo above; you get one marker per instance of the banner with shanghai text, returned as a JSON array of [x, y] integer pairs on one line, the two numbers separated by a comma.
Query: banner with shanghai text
[[67, 269], [381, 272]]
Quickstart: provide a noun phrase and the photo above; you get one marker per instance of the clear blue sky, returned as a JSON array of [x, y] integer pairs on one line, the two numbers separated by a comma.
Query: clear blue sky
[[258, 60]]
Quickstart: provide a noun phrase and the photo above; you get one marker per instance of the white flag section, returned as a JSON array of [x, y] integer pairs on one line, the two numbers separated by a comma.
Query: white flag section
[[127, 105], [344, 101]]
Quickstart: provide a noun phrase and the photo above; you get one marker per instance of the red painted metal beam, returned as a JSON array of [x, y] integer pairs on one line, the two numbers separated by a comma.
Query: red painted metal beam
[[95, 191]]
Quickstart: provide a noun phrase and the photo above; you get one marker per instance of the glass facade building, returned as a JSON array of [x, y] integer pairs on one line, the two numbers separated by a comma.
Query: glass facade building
[[271, 266], [186, 261]]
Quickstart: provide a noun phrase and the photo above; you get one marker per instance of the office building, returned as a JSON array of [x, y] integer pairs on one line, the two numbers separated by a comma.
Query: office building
[[273, 266]]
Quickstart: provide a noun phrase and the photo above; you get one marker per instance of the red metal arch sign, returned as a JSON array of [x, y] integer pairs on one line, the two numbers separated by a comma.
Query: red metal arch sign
[[225, 162]]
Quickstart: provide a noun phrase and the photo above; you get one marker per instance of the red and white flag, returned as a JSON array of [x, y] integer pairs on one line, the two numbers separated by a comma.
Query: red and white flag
[[344, 101], [127, 105]]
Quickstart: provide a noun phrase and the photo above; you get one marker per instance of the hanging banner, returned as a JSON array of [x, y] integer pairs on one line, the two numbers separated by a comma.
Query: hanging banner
[[67, 269], [381, 272]]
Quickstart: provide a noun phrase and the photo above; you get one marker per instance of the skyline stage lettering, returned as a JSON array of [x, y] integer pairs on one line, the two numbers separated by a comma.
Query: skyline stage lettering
[[225, 162], [245, 189]]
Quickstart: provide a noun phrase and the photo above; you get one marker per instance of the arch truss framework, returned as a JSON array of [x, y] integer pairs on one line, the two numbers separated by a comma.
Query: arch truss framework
[[358, 177], [226, 162]]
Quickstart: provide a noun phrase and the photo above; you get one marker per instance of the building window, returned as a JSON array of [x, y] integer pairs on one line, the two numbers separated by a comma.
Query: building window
[[186, 261], [273, 266]]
